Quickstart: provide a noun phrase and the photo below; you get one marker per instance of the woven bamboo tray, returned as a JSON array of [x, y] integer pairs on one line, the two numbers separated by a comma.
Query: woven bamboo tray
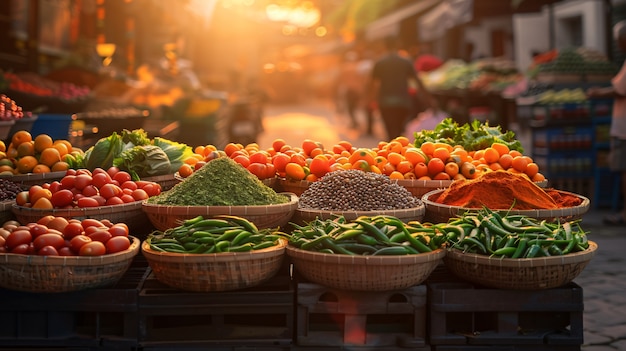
[[215, 272], [164, 217], [441, 213], [304, 215], [293, 186], [5, 211], [34, 178], [130, 213], [365, 273], [166, 181], [519, 273], [54, 274]]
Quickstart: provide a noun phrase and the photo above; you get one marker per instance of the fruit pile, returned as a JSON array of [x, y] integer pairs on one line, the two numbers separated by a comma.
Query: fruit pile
[[10, 110], [40, 154]]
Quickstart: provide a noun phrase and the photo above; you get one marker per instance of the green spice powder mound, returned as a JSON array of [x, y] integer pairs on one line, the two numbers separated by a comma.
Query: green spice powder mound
[[220, 182]]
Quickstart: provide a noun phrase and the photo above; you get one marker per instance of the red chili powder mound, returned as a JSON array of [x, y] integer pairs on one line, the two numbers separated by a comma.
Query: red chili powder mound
[[503, 190]]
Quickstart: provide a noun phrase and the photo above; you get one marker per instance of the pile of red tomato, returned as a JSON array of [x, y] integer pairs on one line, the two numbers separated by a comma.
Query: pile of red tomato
[[58, 236], [84, 188]]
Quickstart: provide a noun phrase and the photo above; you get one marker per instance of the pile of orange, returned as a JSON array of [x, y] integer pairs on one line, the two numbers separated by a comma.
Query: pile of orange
[[40, 154]]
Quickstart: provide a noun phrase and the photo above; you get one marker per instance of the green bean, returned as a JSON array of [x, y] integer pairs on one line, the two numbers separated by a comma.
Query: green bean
[[391, 250]]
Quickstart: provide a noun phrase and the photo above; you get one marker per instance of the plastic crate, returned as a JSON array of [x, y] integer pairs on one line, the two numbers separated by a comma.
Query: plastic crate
[[25, 123], [84, 319], [261, 317], [464, 314], [334, 318], [5, 128], [57, 126]]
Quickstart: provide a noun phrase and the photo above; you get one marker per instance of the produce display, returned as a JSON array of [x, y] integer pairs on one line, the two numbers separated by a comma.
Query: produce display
[[36, 154], [221, 182], [10, 110], [573, 60], [58, 236], [83, 188], [485, 75], [354, 190], [38, 86], [223, 233], [499, 234], [367, 235]]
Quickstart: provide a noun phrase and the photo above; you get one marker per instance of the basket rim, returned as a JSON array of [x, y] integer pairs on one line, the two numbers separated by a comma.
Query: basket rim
[[418, 210], [267, 209], [478, 259], [78, 211], [557, 212], [6, 205], [162, 177], [38, 260], [34, 176], [276, 250], [324, 258]]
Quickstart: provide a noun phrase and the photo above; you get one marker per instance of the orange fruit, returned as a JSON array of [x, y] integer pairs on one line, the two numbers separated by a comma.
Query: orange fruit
[[515, 153], [6, 168], [26, 164], [505, 161], [60, 166], [49, 156], [185, 170], [414, 155], [319, 166], [452, 169], [42, 142], [491, 155], [396, 175], [232, 147], [278, 143], [308, 145], [519, 163], [62, 148], [394, 146], [404, 167], [43, 203], [501, 148], [435, 165], [41, 168], [538, 177], [441, 152], [403, 140], [3, 146], [531, 169], [420, 169], [26, 148], [441, 176], [65, 142], [395, 158], [295, 171], [21, 136]]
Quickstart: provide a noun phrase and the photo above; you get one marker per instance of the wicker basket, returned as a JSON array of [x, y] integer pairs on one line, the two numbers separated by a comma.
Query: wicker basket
[[215, 272], [54, 274], [302, 215], [441, 213], [293, 186], [6, 213], [519, 273], [365, 273], [34, 178], [166, 181], [263, 216], [130, 213], [420, 187]]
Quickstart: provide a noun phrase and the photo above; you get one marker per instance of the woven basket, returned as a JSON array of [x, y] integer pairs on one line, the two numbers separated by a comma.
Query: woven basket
[[420, 187], [130, 213], [293, 186], [364, 273], [215, 272], [6, 213], [305, 215], [34, 178], [519, 273], [54, 274], [441, 213], [263, 216], [166, 181]]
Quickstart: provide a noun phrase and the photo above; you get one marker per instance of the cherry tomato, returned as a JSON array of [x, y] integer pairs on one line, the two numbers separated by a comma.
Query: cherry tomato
[[72, 229], [122, 176], [110, 190], [48, 251], [100, 235], [62, 198], [82, 180], [119, 229], [18, 237], [117, 244], [53, 240], [38, 229], [100, 179], [87, 202], [94, 248], [78, 241], [139, 194]]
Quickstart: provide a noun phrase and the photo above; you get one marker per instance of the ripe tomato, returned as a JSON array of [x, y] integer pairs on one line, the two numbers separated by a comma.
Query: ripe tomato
[[115, 200], [117, 244], [94, 248], [152, 189], [87, 202], [48, 251], [66, 251], [68, 181], [82, 180], [110, 190], [140, 194], [55, 186], [70, 171], [129, 185], [54, 240], [45, 219], [21, 199], [33, 196], [18, 237], [58, 223], [78, 241], [34, 189], [127, 198], [119, 229], [38, 229], [21, 249], [122, 176], [72, 229], [101, 200], [62, 198], [91, 222], [100, 179], [92, 229], [90, 190], [101, 235], [258, 169], [112, 171], [83, 171], [98, 170]]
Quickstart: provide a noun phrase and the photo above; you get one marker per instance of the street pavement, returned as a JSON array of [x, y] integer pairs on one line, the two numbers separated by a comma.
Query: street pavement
[[603, 280]]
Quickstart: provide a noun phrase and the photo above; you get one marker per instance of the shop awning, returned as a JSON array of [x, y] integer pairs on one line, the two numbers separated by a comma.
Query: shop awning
[[390, 24], [446, 15]]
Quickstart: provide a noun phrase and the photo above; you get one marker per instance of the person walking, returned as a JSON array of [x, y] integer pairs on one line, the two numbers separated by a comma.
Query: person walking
[[351, 86], [617, 132], [389, 87]]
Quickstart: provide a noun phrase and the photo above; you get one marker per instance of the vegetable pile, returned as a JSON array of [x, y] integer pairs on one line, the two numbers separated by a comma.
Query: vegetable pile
[[223, 233]]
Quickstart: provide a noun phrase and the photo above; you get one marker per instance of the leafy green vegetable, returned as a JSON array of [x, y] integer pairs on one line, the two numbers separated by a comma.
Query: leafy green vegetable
[[143, 161], [103, 152], [176, 152], [472, 136], [137, 137]]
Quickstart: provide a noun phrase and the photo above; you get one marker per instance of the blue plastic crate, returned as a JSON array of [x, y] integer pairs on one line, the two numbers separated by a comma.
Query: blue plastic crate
[[57, 126]]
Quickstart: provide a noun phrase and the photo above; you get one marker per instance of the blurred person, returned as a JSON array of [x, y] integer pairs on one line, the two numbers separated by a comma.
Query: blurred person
[[617, 132], [350, 86], [389, 87], [424, 62], [364, 68]]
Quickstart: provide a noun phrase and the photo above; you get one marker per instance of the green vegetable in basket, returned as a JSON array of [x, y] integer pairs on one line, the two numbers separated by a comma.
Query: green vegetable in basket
[[102, 154], [143, 161], [176, 152]]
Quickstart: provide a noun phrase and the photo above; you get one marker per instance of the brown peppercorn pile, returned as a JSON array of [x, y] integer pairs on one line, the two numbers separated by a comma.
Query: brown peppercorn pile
[[354, 190], [8, 189]]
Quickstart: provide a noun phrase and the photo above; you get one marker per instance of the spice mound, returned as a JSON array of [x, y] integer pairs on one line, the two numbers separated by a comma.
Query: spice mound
[[220, 182], [355, 190], [502, 190]]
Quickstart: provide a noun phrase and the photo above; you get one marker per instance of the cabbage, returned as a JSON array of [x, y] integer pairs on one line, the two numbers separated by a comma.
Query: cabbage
[[176, 152], [103, 152], [143, 161]]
